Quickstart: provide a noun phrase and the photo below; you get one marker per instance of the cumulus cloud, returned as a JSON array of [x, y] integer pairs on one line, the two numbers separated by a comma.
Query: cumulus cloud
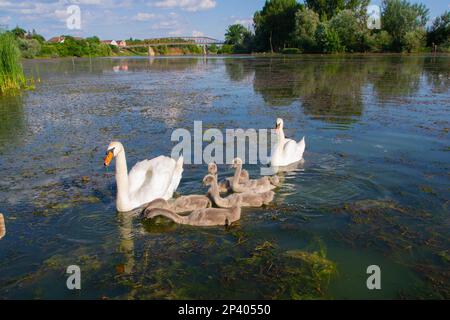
[[142, 16], [176, 33], [5, 19], [61, 14], [188, 5], [196, 33], [244, 22]]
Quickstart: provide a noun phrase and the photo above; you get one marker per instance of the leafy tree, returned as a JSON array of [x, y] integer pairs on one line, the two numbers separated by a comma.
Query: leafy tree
[[275, 23], [380, 41], [439, 32], [326, 9], [414, 40], [93, 40], [352, 32], [19, 32], [49, 50], [36, 36], [29, 48], [399, 18], [328, 39], [306, 22], [236, 34], [226, 49], [213, 48]]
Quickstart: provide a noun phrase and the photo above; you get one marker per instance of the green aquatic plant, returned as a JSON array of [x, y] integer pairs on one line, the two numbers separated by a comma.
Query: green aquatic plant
[[313, 266], [12, 77], [293, 274], [445, 256]]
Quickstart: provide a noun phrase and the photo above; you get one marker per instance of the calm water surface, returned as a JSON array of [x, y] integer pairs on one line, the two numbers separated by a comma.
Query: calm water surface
[[374, 187]]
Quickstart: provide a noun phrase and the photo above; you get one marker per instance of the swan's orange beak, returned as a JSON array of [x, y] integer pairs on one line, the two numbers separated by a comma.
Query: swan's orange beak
[[108, 158]]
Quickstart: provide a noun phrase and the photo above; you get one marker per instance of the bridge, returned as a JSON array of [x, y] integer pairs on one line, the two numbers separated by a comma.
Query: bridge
[[176, 41]]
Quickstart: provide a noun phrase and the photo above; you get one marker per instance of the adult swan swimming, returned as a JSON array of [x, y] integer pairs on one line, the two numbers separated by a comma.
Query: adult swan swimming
[[286, 151], [148, 180]]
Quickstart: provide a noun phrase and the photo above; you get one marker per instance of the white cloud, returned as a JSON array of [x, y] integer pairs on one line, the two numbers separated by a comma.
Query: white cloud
[[176, 33], [196, 33], [188, 5], [142, 16], [165, 24], [244, 22], [4, 20], [61, 14]]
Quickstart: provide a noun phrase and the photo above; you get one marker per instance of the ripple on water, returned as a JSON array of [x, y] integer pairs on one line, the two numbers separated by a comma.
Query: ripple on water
[[325, 182]]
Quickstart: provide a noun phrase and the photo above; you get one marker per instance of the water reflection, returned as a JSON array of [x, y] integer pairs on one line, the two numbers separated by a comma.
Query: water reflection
[[239, 70], [12, 123], [394, 77], [334, 89], [438, 74], [81, 66]]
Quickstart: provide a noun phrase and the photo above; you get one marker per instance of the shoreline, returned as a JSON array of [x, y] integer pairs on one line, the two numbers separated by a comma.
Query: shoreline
[[263, 54]]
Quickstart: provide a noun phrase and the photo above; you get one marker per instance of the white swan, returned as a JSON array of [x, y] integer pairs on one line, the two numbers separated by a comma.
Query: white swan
[[148, 180], [286, 151]]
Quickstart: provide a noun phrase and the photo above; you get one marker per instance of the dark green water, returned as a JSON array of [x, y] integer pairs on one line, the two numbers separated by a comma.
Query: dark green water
[[374, 188]]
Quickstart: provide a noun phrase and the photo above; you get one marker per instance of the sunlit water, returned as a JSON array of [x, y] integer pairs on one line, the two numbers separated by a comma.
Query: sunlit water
[[373, 190]]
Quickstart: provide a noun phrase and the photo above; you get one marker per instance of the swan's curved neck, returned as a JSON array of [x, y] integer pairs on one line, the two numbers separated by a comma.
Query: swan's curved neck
[[123, 196], [281, 136], [214, 192], [237, 175], [171, 215]]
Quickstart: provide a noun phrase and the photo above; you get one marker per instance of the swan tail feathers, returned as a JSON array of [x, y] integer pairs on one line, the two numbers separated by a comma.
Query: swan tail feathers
[[302, 146], [176, 177]]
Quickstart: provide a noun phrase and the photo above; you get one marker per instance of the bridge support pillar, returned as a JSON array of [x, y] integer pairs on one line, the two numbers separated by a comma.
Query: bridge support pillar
[[204, 50], [151, 52]]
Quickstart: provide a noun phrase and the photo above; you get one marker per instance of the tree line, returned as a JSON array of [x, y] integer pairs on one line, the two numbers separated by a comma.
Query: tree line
[[334, 26], [33, 45]]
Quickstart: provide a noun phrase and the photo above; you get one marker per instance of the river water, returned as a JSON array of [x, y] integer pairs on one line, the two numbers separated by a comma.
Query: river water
[[373, 190]]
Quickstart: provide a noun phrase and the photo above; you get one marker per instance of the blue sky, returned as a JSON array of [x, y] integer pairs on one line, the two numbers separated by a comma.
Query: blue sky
[[121, 19]]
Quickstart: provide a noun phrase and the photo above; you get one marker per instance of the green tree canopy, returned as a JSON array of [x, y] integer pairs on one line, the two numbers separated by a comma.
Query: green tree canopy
[[19, 32], [350, 30], [236, 34], [326, 9], [439, 32], [275, 23], [36, 36], [306, 23], [402, 19]]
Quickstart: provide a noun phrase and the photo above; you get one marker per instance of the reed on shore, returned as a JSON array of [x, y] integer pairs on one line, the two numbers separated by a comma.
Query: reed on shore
[[12, 77]]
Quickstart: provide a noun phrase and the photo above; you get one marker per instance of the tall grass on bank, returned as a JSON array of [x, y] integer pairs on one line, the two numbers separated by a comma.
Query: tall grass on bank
[[12, 77]]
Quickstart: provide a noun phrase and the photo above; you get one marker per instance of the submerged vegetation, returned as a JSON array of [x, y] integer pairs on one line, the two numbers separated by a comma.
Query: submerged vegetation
[[287, 26], [12, 77]]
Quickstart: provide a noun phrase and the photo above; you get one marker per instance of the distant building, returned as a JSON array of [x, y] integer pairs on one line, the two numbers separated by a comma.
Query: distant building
[[61, 39], [110, 42], [56, 40], [122, 43]]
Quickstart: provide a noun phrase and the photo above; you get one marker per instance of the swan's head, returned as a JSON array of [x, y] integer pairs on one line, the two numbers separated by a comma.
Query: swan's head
[[212, 168], [208, 180], [279, 124], [113, 150], [237, 162]]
